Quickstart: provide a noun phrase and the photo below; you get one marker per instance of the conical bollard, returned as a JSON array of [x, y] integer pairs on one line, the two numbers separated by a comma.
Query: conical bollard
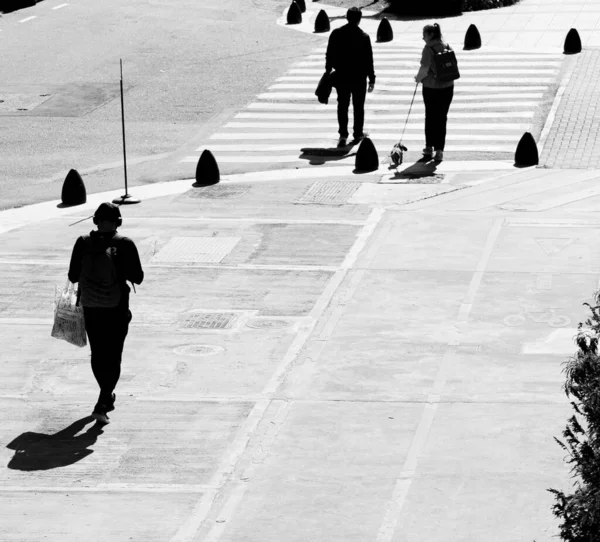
[[207, 170], [527, 152], [294, 16], [572, 43], [322, 22], [73, 189], [385, 32], [366, 156], [301, 5], [472, 38]]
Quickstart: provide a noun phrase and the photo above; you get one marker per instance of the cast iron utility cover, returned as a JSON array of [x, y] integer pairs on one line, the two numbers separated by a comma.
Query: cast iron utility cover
[[329, 192]]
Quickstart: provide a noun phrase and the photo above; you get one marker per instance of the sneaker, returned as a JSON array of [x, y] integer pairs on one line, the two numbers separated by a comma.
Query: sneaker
[[100, 416], [342, 142], [359, 137], [427, 151], [439, 156]]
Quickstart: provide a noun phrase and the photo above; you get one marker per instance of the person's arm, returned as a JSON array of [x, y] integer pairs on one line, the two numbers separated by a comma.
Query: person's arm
[[76, 256], [131, 262], [330, 55], [370, 64], [426, 59]]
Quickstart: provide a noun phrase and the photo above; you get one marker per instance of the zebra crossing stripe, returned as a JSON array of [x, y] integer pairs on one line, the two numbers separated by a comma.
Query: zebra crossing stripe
[[385, 107], [241, 136], [385, 117], [462, 97], [372, 126]]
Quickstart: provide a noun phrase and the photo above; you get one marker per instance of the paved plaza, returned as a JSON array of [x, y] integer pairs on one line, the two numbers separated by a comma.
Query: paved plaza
[[317, 354]]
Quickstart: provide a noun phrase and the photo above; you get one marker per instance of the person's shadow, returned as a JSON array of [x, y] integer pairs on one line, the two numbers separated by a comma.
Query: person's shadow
[[37, 451], [319, 155]]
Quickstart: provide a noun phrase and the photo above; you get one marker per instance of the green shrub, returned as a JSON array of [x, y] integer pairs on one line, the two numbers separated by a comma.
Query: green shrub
[[580, 511]]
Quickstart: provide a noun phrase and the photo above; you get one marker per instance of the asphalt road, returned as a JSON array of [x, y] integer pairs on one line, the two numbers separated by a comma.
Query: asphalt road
[[188, 66]]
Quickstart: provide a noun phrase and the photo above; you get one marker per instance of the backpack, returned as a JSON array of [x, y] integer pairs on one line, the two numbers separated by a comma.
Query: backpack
[[99, 281], [445, 65]]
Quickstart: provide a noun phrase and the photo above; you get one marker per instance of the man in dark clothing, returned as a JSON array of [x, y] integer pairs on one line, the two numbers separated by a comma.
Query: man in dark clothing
[[349, 53], [102, 262]]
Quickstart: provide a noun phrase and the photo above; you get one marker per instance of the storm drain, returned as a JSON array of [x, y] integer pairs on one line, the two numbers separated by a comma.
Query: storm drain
[[219, 191], [329, 192], [209, 320], [195, 250], [21, 102]]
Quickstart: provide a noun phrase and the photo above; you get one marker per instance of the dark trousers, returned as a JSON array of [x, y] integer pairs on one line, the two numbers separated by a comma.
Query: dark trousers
[[357, 90], [106, 330], [437, 104]]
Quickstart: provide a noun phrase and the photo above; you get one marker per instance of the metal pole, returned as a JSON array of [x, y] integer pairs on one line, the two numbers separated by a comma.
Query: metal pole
[[123, 124], [125, 198]]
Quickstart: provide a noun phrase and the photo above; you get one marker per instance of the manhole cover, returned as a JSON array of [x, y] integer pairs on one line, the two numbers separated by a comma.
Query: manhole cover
[[268, 324], [329, 192], [209, 320], [196, 249], [21, 102], [219, 191], [198, 350]]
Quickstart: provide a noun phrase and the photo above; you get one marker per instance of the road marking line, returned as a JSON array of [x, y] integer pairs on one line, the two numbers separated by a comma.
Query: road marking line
[[404, 481], [60, 6], [239, 137], [453, 127], [28, 19], [375, 117], [303, 107]]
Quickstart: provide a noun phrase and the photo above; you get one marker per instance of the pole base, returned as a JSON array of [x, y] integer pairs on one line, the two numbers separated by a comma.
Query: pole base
[[126, 199]]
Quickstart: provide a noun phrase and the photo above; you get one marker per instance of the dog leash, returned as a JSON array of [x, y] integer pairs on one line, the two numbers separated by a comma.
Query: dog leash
[[409, 110]]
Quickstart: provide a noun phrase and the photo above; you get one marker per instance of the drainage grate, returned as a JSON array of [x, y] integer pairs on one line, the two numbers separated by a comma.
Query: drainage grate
[[196, 249], [21, 102], [329, 192], [219, 191], [209, 320]]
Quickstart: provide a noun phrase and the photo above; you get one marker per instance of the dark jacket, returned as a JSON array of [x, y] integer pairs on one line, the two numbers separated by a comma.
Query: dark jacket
[[350, 54], [129, 267]]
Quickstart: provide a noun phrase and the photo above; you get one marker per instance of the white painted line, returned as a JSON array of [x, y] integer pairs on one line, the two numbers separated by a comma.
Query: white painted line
[[418, 105], [488, 56], [239, 137], [404, 83], [470, 77], [28, 19], [371, 127], [474, 99], [463, 69], [60, 6], [375, 117], [463, 62], [470, 93]]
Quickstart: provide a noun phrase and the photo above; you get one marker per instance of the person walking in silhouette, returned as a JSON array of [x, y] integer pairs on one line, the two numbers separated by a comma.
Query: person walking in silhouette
[[437, 95], [350, 54], [102, 262]]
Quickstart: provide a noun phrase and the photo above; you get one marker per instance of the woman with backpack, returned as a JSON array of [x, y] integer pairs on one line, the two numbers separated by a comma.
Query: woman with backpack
[[437, 93]]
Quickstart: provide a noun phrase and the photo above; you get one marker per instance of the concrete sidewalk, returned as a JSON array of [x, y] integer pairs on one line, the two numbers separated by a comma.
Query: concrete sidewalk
[[306, 362], [351, 358]]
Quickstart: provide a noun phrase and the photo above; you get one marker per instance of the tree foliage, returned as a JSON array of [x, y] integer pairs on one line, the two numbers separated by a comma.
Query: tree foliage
[[580, 510]]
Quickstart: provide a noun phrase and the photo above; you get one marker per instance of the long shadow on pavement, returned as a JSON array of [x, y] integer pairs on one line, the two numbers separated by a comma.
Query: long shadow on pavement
[[38, 451]]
